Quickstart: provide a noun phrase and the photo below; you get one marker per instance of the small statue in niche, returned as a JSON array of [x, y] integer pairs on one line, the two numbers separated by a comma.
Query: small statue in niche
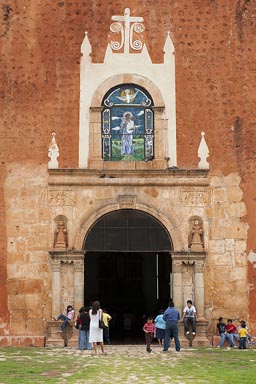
[[196, 238], [61, 235]]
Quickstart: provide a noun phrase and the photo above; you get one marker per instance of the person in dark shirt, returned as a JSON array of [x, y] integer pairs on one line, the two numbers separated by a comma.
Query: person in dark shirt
[[171, 317], [84, 321], [221, 326]]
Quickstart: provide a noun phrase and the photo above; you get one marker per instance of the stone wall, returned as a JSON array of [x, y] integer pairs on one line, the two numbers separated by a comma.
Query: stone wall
[[39, 93], [36, 198]]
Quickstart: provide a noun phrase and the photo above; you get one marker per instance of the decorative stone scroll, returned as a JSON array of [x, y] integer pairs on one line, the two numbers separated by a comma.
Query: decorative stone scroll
[[126, 26]]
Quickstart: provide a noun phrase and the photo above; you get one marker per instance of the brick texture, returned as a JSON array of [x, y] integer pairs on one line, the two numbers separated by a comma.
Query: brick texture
[[215, 85]]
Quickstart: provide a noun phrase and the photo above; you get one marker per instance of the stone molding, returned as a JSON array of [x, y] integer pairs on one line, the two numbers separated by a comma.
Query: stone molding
[[68, 257]]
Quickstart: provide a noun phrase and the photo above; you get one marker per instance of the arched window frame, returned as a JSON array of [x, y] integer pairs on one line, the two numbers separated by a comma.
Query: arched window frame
[[127, 124]]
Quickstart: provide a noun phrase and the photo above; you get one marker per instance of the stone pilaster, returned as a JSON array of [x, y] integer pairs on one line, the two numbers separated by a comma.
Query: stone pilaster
[[75, 262], [56, 303], [78, 283], [199, 287], [177, 283]]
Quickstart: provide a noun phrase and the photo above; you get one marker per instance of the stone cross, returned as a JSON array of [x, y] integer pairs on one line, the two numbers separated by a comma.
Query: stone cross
[[127, 19]]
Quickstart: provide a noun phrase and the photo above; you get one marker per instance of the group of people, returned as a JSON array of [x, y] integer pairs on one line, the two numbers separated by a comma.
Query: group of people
[[87, 323], [165, 326], [232, 333]]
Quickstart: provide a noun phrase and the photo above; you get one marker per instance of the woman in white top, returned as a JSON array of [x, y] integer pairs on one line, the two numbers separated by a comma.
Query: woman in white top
[[96, 333]]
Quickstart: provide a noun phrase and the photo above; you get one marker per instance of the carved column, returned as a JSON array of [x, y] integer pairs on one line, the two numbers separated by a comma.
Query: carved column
[[199, 287], [56, 303], [177, 284], [74, 261], [78, 284]]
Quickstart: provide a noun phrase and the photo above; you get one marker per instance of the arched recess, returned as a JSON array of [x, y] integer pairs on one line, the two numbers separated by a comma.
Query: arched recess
[[127, 78], [87, 219], [128, 267], [161, 136]]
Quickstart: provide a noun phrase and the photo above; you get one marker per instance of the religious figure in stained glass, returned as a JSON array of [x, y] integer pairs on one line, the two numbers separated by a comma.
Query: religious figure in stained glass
[[127, 124]]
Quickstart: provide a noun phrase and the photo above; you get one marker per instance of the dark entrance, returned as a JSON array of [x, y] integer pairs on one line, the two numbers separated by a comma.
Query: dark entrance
[[128, 268]]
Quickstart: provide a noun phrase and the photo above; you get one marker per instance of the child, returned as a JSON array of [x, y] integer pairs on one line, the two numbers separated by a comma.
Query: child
[[66, 318], [243, 336], [149, 329], [160, 327], [249, 336]]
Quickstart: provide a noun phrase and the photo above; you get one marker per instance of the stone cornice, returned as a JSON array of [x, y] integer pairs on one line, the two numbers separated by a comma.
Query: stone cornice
[[165, 177], [188, 257]]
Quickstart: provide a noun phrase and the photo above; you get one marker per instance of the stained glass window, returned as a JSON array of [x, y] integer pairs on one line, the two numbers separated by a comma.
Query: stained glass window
[[127, 124]]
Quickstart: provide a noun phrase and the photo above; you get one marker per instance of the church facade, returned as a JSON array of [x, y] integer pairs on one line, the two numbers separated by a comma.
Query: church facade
[[127, 162]]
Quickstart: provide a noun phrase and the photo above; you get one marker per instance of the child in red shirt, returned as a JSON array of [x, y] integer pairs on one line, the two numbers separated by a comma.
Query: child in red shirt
[[150, 329]]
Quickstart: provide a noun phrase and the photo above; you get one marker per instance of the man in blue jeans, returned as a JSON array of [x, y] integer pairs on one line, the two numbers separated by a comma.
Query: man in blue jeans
[[171, 317]]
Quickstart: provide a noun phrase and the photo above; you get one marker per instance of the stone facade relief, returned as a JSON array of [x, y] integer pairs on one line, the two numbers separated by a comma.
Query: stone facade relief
[[127, 201], [61, 232], [196, 235], [61, 197], [192, 197]]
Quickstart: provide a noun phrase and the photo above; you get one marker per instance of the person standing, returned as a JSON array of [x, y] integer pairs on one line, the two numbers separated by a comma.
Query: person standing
[[243, 336], [149, 329], [160, 327], [171, 317], [96, 333], [106, 319], [189, 315], [84, 327]]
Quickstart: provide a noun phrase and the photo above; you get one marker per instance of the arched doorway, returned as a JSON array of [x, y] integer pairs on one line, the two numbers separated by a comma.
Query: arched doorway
[[128, 268]]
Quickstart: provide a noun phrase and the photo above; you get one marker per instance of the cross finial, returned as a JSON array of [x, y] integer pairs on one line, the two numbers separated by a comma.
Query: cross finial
[[130, 24]]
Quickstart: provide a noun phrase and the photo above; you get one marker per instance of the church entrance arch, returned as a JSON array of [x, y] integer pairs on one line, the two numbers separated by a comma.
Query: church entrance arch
[[128, 268]]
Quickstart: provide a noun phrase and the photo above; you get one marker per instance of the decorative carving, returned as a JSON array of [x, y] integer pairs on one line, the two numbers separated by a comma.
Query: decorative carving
[[61, 197], [196, 237], [199, 266], [53, 153], [123, 26], [61, 235], [127, 201], [78, 266], [56, 265], [177, 266], [197, 198]]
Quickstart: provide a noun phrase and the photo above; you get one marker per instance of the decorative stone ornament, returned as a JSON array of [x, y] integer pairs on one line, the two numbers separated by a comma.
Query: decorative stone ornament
[[53, 153], [203, 153]]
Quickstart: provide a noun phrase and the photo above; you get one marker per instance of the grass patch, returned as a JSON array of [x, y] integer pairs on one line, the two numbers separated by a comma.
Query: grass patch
[[59, 365]]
